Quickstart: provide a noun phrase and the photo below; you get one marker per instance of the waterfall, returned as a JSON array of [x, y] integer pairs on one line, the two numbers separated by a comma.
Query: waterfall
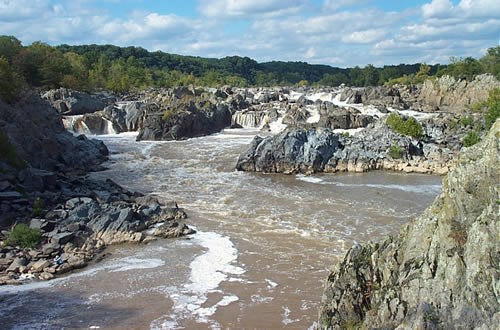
[[249, 119]]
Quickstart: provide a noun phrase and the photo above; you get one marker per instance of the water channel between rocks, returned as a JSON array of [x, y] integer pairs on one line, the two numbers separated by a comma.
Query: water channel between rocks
[[264, 244]]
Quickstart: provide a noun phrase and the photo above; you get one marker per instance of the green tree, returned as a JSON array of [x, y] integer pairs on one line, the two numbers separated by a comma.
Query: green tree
[[10, 81], [490, 62]]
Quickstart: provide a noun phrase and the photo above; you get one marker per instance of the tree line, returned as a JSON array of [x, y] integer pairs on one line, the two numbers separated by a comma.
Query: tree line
[[122, 69]]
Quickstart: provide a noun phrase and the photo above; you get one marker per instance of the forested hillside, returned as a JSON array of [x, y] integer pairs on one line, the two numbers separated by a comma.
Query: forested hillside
[[120, 69]]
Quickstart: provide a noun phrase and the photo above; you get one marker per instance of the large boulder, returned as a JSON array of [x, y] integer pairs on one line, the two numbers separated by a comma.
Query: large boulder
[[36, 133], [441, 271], [334, 117], [71, 102], [293, 150], [184, 118]]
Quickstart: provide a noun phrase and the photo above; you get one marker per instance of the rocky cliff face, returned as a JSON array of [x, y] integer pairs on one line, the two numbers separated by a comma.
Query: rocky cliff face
[[36, 132], [183, 113], [440, 271], [449, 94]]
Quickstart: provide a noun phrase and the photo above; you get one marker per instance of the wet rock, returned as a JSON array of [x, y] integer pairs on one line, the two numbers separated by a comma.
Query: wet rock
[[184, 115], [172, 230]]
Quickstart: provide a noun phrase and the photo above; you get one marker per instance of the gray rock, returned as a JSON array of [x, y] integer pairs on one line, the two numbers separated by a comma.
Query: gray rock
[[61, 238], [440, 271], [16, 264], [40, 265], [70, 102], [10, 195]]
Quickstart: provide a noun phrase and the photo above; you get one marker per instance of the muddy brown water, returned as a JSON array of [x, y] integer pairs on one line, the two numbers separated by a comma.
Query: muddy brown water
[[264, 244]]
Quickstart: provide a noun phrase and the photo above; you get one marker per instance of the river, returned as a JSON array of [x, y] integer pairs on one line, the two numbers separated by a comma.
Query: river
[[264, 243]]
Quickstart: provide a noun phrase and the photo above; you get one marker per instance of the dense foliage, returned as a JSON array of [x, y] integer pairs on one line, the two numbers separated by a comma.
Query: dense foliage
[[121, 69], [409, 126], [24, 236]]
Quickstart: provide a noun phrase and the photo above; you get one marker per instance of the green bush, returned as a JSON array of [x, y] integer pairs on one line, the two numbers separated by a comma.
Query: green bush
[[471, 139], [466, 121], [493, 104], [169, 113], [410, 126], [24, 236], [395, 151]]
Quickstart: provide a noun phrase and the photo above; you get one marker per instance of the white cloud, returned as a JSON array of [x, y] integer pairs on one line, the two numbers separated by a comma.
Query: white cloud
[[336, 4], [437, 8], [365, 37], [330, 32], [248, 8]]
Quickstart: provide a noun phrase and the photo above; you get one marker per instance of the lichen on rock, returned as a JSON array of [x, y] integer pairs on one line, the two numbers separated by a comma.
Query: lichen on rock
[[441, 271]]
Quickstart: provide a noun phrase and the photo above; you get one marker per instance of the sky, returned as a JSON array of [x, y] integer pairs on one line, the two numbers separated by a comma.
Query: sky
[[342, 33]]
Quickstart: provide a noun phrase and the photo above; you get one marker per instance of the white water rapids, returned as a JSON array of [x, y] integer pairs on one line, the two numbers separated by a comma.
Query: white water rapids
[[264, 244]]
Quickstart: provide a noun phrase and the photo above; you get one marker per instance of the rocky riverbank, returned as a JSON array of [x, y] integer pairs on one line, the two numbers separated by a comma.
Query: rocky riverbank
[[441, 271], [71, 218], [318, 149]]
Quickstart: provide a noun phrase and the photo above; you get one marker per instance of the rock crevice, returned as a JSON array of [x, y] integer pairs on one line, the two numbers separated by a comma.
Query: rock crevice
[[441, 271]]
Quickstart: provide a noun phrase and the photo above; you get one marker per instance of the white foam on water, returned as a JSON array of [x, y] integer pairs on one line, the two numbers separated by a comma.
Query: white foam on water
[[307, 178], [208, 270], [286, 316], [271, 284], [277, 126], [416, 114], [129, 263], [351, 131], [421, 189], [314, 114]]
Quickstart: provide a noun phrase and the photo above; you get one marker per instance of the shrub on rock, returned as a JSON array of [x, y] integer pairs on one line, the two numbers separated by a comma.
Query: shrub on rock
[[24, 236], [409, 126]]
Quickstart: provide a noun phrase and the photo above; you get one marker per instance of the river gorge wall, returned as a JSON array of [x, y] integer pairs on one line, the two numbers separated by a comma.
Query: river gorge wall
[[441, 271]]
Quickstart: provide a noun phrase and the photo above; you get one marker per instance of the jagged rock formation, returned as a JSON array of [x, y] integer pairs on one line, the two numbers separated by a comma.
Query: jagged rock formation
[[378, 96], [113, 119], [35, 131], [184, 113], [70, 102], [307, 150], [449, 94], [335, 117], [441, 271]]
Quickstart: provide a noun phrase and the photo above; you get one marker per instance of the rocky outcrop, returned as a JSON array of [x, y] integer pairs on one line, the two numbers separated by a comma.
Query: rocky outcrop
[[441, 271], [127, 117], [307, 150], [93, 214], [334, 117], [71, 102], [448, 94], [183, 113], [43, 183], [36, 133], [378, 96]]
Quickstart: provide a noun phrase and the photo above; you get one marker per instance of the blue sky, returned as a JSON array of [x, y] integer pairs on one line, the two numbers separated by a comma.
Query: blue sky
[[341, 33]]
